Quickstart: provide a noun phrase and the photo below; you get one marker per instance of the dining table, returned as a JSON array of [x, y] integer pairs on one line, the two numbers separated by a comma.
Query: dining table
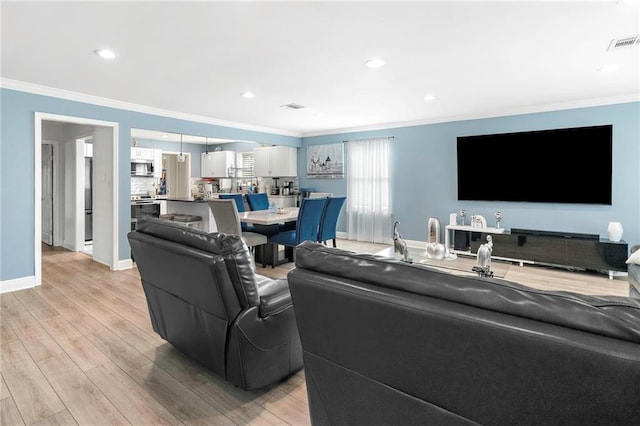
[[266, 217], [269, 223]]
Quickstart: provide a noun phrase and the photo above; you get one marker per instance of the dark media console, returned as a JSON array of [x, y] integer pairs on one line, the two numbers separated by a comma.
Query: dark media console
[[570, 250], [555, 234]]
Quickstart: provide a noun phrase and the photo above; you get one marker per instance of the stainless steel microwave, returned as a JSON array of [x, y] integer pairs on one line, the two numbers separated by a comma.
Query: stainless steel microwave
[[142, 168]]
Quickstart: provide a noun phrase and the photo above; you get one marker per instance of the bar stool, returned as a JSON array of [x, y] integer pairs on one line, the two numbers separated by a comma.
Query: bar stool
[[191, 221]]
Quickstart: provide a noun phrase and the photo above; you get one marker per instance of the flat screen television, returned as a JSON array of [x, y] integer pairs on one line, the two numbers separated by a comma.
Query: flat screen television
[[572, 165]]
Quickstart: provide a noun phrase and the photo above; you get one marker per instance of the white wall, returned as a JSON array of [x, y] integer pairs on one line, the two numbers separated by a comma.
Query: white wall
[[103, 195]]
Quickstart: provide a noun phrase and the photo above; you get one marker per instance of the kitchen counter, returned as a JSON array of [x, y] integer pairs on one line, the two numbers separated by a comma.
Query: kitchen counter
[[186, 200], [193, 207]]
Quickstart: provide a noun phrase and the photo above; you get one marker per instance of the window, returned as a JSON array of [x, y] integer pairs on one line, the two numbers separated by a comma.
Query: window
[[245, 164], [368, 205]]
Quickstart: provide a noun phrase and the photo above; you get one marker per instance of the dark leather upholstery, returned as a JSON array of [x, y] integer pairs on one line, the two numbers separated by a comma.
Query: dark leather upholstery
[[386, 342], [205, 298]]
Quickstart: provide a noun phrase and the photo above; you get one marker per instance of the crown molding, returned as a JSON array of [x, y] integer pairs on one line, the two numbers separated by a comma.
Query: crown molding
[[585, 103], [112, 103]]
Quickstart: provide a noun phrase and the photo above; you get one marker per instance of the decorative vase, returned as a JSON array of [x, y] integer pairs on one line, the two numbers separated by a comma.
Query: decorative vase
[[615, 231], [436, 251], [433, 230]]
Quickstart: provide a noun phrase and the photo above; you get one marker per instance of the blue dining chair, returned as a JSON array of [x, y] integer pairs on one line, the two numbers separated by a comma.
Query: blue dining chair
[[239, 199], [329, 219], [258, 201], [307, 227]]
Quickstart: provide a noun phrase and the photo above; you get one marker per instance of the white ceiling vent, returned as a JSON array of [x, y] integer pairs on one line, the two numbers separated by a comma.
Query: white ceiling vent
[[292, 105], [621, 43]]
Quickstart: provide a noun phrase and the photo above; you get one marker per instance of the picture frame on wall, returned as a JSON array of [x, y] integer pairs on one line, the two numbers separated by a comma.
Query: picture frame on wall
[[325, 161]]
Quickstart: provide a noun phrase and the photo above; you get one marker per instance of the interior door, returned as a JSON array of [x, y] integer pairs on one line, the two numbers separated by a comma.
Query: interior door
[[47, 193]]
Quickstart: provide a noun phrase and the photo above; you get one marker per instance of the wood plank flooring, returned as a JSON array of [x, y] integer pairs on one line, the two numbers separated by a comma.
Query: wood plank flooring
[[80, 349]]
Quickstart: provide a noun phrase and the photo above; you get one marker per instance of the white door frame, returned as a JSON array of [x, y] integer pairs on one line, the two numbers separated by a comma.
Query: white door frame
[[57, 205], [39, 118], [48, 186]]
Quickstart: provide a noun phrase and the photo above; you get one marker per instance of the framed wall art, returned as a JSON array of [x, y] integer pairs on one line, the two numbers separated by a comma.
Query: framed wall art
[[325, 161]]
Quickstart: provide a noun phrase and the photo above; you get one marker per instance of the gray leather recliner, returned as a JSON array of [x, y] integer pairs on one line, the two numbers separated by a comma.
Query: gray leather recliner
[[205, 298], [387, 342]]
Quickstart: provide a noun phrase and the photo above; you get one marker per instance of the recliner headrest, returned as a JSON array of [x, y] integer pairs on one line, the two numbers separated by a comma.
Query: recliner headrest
[[216, 243]]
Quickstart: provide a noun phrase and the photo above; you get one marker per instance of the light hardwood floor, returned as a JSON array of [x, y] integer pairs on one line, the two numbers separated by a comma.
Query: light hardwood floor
[[80, 350]]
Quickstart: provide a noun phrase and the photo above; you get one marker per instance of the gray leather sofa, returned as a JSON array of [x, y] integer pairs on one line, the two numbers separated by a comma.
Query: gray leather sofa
[[205, 299], [389, 343]]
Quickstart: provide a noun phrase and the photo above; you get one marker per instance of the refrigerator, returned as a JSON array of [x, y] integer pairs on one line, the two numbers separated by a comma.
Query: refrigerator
[[88, 199]]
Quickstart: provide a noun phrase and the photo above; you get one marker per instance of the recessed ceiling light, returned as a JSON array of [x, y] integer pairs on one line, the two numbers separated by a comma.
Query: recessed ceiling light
[[248, 95], [375, 63], [429, 97], [609, 68], [105, 53], [292, 105]]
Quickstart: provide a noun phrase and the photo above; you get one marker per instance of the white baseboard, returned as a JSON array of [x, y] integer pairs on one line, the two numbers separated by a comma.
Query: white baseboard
[[17, 284], [121, 265], [410, 243], [416, 244]]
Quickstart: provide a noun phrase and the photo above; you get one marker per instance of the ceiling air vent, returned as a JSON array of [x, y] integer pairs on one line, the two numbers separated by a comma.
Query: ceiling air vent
[[621, 43], [292, 105]]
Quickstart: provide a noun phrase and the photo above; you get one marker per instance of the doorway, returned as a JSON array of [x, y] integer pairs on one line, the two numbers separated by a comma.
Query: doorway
[[178, 175], [70, 194]]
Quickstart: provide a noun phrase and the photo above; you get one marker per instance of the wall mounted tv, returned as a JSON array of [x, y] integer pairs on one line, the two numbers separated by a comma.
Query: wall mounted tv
[[572, 165]]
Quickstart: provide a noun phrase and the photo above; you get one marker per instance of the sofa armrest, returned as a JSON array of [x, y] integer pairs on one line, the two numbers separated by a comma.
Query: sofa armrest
[[274, 296]]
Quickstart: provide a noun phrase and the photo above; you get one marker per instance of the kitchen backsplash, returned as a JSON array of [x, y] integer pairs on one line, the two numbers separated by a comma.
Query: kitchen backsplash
[[143, 185]]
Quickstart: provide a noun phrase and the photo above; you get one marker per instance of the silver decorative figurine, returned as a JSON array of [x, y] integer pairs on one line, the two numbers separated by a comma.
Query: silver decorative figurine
[[463, 214], [498, 216], [399, 245], [483, 262]]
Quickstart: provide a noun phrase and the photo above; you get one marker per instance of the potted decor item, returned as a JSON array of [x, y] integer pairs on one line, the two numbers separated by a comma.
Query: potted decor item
[[615, 231], [434, 249]]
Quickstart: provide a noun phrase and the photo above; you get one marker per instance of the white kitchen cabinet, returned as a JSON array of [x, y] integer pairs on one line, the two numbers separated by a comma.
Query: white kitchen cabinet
[[157, 163], [142, 154], [262, 161], [217, 164], [275, 161]]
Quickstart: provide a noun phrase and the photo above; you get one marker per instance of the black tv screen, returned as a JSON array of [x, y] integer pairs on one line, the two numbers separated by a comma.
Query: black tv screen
[[571, 165]]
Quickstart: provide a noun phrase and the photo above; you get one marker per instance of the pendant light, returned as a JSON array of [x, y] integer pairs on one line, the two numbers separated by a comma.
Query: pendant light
[[181, 156], [206, 147]]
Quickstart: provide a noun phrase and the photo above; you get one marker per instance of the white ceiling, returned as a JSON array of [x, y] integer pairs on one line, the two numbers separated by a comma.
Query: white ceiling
[[195, 58]]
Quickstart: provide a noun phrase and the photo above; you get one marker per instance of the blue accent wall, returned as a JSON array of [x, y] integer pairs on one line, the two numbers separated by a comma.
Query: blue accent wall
[[17, 117], [423, 161], [424, 182]]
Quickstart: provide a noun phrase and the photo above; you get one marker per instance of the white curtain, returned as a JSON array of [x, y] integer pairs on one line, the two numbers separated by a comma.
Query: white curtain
[[368, 205]]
